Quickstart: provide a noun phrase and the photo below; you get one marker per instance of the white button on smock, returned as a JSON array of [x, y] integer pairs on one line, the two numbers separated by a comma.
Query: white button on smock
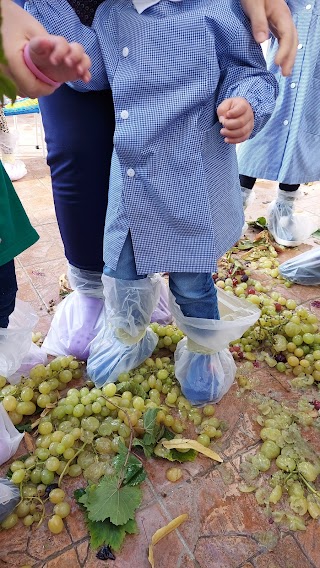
[[125, 52], [124, 114], [130, 172], [286, 122]]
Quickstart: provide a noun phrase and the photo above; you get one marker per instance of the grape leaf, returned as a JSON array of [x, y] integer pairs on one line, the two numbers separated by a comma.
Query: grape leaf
[[132, 387], [108, 501], [153, 431], [147, 448], [133, 473], [105, 532]]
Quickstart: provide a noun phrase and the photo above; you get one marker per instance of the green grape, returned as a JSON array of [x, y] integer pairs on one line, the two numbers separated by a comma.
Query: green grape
[[68, 441], [45, 428], [62, 509], [115, 442], [286, 463], [69, 453], [17, 465], [261, 462], [204, 440], [96, 408], [270, 449], [93, 472], [29, 491], [52, 464], [47, 476], [18, 476], [42, 401], [26, 394], [30, 462], [10, 521], [57, 436], [308, 470], [28, 521], [74, 470], [270, 434], [65, 376], [61, 469], [35, 476], [66, 427], [298, 504], [44, 388], [10, 403], [275, 494], [55, 524], [22, 509], [296, 489]]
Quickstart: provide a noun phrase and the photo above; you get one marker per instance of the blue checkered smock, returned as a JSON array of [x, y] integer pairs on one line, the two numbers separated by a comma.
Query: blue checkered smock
[[174, 181], [288, 148]]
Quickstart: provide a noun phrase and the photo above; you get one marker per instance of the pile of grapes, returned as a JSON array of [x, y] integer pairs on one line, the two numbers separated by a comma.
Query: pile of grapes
[[79, 434], [286, 336], [285, 472]]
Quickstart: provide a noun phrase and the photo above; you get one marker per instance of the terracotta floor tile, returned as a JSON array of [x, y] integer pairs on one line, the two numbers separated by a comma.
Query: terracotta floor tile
[[225, 551], [67, 560], [286, 554], [42, 543]]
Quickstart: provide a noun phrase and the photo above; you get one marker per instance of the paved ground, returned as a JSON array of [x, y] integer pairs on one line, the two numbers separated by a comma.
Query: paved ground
[[226, 527]]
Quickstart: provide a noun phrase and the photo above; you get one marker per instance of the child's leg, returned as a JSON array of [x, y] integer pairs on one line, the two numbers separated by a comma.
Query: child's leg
[[8, 292], [247, 184], [125, 340], [204, 368], [287, 228]]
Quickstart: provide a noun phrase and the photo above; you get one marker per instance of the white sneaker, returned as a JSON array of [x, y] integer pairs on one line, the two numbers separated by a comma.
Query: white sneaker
[[15, 170]]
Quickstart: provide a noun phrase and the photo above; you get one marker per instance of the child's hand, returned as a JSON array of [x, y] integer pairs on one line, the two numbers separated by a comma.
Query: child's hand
[[59, 60], [237, 119]]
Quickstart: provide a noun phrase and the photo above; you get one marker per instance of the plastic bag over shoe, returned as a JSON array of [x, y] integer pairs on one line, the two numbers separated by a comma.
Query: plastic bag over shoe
[[9, 497], [288, 227], [78, 318], [17, 351], [303, 269], [125, 340], [10, 438], [204, 366]]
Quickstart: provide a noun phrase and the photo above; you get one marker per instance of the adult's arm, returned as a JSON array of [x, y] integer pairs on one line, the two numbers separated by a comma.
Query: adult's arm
[[274, 15]]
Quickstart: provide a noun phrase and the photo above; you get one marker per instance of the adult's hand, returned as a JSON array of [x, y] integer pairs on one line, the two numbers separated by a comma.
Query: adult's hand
[[18, 27], [274, 15]]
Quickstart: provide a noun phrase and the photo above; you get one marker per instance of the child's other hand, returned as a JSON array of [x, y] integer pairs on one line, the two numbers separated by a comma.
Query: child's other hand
[[59, 60], [237, 119]]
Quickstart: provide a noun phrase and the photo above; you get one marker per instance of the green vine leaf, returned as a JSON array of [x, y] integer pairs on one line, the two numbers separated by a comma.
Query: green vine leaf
[[133, 472], [132, 387], [108, 501]]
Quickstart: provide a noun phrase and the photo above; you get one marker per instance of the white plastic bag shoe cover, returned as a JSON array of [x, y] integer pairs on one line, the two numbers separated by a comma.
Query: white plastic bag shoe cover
[[35, 356], [287, 227], [10, 438], [78, 318], [125, 340], [303, 269], [248, 196], [162, 313], [16, 340], [9, 497], [204, 366]]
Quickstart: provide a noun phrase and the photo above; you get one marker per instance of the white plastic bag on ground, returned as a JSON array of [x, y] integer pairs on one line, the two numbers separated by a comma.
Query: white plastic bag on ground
[[9, 497], [303, 269], [10, 438], [204, 366], [16, 339]]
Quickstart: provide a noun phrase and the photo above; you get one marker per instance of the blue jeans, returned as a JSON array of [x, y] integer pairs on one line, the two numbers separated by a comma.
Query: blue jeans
[[8, 292], [194, 292], [79, 135]]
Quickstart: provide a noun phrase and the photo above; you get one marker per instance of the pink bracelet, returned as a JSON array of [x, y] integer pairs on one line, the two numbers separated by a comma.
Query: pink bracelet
[[37, 73]]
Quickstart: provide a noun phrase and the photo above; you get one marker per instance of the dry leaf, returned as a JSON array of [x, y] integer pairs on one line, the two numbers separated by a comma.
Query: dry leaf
[[30, 445], [186, 444], [164, 531]]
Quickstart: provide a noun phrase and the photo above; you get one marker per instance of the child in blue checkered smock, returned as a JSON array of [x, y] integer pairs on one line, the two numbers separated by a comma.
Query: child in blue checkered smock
[[288, 148], [174, 67]]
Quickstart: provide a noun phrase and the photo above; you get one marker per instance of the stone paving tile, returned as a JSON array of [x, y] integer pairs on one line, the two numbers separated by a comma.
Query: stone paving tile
[[287, 554]]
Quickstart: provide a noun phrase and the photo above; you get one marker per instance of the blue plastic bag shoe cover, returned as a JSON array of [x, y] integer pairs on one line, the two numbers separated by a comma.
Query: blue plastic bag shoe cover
[[111, 357], [125, 340], [204, 377]]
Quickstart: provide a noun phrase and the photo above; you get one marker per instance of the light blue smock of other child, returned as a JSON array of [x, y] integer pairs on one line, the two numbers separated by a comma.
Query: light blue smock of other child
[[288, 148], [174, 181]]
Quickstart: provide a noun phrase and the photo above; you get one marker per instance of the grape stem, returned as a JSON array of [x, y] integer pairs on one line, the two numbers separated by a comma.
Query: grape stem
[[314, 491], [69, 462], [122, 473]]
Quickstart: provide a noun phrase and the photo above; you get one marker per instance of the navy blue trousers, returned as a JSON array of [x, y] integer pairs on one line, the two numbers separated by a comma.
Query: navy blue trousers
[[79, 135], [8, 291]]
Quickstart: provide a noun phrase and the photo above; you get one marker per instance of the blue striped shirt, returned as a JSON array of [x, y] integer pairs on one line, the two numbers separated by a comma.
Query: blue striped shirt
[[174, 181], [288, 148]]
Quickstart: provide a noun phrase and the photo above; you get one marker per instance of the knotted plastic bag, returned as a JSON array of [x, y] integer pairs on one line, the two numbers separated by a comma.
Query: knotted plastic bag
[[288, 226]]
